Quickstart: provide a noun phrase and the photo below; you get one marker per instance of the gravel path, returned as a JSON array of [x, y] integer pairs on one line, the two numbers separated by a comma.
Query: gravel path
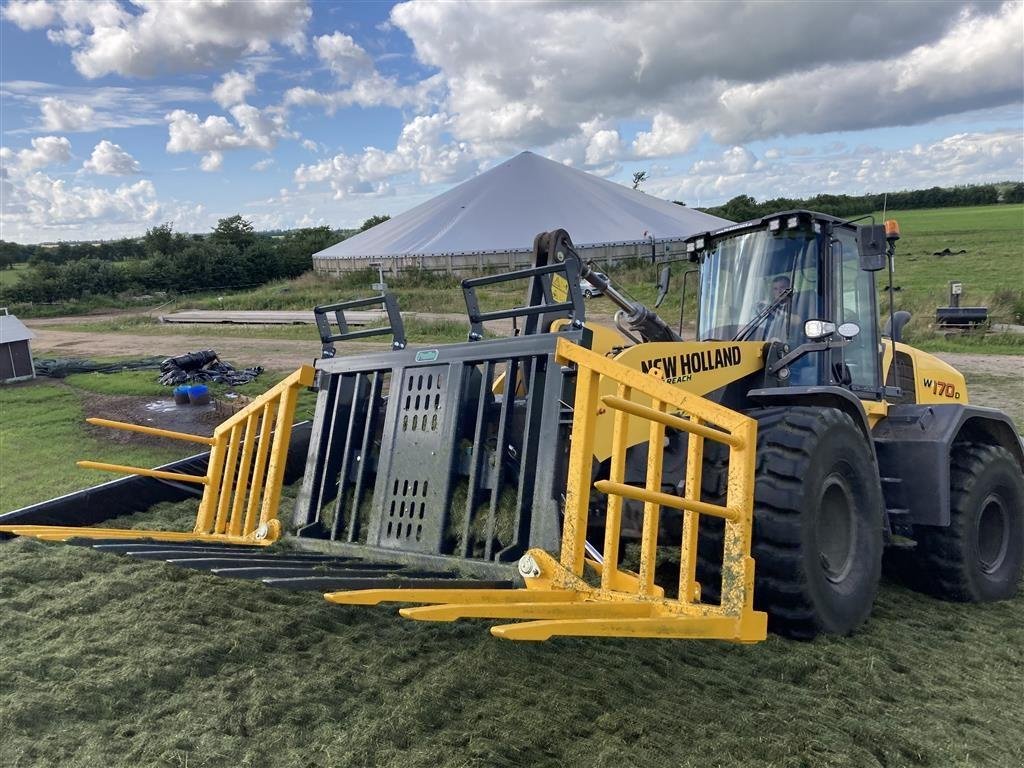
[[274, 354], [990, 365]]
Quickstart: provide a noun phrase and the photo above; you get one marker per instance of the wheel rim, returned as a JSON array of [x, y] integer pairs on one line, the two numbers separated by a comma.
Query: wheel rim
[[993, 534], [837, 526]]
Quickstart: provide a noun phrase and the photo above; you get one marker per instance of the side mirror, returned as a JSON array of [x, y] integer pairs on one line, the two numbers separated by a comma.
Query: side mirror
[[871, 246], [663, 282]]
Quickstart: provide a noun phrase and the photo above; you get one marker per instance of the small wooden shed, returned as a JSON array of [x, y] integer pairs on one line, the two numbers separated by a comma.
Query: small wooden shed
[[15, 351]]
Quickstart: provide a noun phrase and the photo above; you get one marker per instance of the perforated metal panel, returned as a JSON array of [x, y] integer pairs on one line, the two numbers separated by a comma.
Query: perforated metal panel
[[418, 452], [398, 435]]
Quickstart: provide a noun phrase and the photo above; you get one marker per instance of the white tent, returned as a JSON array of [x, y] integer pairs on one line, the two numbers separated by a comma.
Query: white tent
[[501, 210]]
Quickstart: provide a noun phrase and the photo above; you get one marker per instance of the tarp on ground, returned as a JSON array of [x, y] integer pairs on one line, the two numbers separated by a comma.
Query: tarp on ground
[[504, 208]]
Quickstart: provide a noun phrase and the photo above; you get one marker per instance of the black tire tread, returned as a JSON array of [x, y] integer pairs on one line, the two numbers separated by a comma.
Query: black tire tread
[[786, 437], [942, 552]]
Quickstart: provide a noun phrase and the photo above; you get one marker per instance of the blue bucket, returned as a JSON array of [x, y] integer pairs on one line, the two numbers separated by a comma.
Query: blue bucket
[[199, 394]]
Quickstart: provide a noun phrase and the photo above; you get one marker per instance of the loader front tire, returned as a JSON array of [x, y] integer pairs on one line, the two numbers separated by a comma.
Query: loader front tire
[[979, 556], [817, 539]]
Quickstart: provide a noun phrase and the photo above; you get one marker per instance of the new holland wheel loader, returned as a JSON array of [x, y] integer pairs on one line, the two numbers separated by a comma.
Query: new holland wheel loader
[[578, 479]]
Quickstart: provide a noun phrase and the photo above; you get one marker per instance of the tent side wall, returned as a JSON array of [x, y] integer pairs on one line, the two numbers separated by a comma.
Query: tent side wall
[[467, 263]]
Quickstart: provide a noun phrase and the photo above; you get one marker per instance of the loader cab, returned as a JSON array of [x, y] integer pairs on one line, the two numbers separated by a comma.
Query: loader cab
[[770, 279]]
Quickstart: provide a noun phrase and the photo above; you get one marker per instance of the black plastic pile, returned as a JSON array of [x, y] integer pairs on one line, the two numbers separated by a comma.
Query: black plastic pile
[[204, 366], [58, 368]]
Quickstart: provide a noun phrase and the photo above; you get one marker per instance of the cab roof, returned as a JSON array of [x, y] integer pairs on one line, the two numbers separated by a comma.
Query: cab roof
[[762, 222]]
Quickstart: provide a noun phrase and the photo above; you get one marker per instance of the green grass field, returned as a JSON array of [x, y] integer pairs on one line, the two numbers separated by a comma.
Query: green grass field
[[43, 432], [9, 277], [991, 270]]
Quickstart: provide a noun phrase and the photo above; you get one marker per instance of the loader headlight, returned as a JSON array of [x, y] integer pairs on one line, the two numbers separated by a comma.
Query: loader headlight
[[775, 225], [818, 329], [792, 222]]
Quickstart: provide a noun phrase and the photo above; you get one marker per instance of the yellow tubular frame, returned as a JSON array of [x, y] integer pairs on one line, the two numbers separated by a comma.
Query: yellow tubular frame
[[245, 446], [557, 600]]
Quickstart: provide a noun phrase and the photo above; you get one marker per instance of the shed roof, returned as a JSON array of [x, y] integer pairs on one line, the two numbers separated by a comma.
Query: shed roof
[[12, 329]]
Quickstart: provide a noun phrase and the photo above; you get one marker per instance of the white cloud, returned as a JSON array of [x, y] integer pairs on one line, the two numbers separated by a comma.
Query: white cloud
[[262, 165], [184, 36], [733, 161], [311, 145], [421, 148], [108, 159], [212, 162], [963, 158], [59, 115], [87, 108], [668, 136], [30, 14], [46, 150], [977, 65], [233, 88], [603, 146], [44, 204], [344, 56], [700, 69], [373, 90], [251, 128]]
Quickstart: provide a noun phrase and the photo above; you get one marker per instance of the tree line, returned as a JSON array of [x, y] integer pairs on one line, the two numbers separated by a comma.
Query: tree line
[[745, 207], [232, 256]]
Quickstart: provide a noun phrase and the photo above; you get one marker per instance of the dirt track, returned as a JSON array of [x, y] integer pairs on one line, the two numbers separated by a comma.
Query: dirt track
[[274, 354], [284, 354]]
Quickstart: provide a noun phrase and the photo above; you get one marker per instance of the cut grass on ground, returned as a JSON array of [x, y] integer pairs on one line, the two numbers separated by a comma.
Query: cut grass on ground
[[109, 661]]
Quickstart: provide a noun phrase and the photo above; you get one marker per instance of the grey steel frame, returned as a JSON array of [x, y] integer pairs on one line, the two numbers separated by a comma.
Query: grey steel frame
[[412, 424]]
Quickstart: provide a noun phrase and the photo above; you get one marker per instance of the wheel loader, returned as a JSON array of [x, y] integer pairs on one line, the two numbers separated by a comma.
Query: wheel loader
[[582, 479]]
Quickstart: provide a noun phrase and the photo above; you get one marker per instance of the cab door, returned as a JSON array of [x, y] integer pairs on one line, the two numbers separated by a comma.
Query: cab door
[[858, 364]]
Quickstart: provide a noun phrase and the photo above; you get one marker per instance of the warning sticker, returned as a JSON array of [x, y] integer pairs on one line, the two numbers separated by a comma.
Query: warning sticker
[[559, 288]]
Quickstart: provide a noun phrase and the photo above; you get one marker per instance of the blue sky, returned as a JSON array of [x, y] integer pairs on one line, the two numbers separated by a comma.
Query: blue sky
[[118, 116]]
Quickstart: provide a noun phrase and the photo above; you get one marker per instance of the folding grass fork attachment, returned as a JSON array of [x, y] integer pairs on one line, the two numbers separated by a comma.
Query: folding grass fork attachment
[[242, 484], [557, 600]]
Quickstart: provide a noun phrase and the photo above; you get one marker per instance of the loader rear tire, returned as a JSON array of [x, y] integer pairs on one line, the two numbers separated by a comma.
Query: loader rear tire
[[979, 556], [817, 539]]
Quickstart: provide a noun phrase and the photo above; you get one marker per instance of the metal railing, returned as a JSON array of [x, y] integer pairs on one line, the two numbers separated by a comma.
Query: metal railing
[[242, 484], [557, 599]]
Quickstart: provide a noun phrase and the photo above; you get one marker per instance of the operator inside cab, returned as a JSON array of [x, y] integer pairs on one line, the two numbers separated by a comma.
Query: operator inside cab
[[761, 286], [776, 322]]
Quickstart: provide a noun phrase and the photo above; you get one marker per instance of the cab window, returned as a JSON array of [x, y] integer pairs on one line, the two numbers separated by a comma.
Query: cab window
[[855, 303]]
